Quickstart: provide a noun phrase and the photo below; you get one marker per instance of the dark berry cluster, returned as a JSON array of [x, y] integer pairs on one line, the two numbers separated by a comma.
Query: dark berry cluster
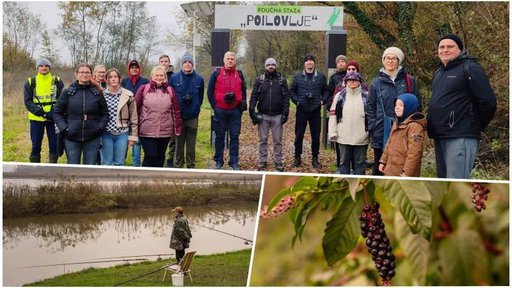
[[377, 242], [480, 194], [285, 204]]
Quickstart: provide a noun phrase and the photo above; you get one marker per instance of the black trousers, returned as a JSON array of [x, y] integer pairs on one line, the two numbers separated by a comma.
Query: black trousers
[[154, 151], [377, 153], [179, 255], [301, 121]]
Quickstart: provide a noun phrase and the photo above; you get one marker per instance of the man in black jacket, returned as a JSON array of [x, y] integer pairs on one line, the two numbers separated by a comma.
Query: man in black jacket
[[271, 96], [337, 77], [309, 92], [461, 107]]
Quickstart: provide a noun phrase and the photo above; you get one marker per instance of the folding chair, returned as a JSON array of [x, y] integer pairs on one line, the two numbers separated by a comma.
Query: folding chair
[[183, 266]]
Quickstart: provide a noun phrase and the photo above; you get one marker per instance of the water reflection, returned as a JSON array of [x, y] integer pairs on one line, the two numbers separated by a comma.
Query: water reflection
[[74, 238]]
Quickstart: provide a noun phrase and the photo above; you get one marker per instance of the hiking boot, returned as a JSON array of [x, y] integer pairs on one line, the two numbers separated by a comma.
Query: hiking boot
[[218, 165], [262, 165], [54, 158], [35, 159], [280, 167], [296, 161], [234, 166], [315, 163]]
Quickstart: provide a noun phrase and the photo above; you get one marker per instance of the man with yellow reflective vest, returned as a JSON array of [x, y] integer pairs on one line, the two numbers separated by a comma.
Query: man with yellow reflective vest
[[40, 95]]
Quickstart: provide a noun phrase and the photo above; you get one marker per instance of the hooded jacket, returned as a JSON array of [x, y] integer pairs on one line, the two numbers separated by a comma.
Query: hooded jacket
[[158, 111], [388, 90], [271, 96], [461, 105], [180, 237], [133, 83], [404, 150], [81, 112], [192, 85]]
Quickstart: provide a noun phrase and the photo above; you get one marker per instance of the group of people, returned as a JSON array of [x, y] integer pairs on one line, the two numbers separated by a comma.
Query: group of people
[[163, 112], [101, 114]]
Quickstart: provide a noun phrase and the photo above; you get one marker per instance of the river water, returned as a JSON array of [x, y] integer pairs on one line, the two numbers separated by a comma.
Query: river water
[[48, 240]]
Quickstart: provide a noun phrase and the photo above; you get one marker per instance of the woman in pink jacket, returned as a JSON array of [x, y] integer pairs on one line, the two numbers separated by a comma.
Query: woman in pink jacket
[[159, 117]]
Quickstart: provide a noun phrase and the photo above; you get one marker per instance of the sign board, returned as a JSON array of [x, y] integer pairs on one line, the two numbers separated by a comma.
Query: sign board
[[275, 17]]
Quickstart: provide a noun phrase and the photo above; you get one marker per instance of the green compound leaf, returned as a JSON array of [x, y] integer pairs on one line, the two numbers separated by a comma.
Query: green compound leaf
[[342, 231], [413, 200], [463, 259], [415, 248]]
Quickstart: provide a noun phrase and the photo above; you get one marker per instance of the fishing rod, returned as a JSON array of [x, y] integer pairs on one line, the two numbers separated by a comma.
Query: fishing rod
[[233, 235], [144, 255], [84, 262], [140, 276]]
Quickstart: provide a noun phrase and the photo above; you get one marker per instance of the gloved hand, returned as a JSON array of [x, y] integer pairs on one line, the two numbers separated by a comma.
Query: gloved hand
[[284, 118], [49, 115], [242, 106]]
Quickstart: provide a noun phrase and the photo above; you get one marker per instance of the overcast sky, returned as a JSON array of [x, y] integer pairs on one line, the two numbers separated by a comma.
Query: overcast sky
[[164, 11]]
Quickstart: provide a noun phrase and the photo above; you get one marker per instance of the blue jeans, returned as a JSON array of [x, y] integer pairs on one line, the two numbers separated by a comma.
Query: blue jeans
[[113, 148], [352, 159], [37, 134], [74, 151], [136, 154], [455, 157], [154, 151], [231, 121]]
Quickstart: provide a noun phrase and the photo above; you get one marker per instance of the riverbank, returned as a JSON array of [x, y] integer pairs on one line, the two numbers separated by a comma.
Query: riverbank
[[227, 269], [64, 197]]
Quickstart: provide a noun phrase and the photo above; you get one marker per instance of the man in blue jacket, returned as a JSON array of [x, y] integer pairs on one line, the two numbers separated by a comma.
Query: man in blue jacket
[[133, 82], [189, 88], [461, 107], [309, 92]]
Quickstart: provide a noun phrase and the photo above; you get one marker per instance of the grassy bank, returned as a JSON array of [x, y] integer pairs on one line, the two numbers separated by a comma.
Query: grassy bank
[[228, 269], [63, 197]]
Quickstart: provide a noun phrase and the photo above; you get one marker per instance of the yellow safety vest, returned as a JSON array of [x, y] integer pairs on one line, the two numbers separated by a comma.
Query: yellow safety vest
[[43, 97]]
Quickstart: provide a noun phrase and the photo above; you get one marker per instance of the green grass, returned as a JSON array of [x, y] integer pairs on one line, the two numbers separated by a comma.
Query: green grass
[[228, 269]]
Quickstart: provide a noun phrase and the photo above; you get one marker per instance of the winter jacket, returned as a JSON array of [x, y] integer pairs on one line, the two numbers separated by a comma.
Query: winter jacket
[[158, 110], [39, 106], [81, 112], [349, 124], [192, 85], [271, 96], [388, 90], [462, 103], [138, 81], [181, 234], [301, 86], [334, 80], [404, 150], [224, 81], [126, 115]]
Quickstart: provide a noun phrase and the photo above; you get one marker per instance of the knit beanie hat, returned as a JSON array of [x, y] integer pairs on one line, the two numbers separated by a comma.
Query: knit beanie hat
[[270, 61], [353, 63], [187, 57], [309, 57], [352, 76], [455, 39], [341, 57], [43, 61], [395, 51]]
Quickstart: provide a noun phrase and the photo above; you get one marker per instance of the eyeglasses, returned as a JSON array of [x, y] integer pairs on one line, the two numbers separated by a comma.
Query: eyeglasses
[[392, 59], [84, 72], [351, 69]]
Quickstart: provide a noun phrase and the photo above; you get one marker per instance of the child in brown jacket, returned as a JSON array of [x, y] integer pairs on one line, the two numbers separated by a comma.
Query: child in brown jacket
[[403, 152]]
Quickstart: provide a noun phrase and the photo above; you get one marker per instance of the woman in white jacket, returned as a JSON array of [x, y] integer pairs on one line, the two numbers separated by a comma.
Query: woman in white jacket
[[348, 125]]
